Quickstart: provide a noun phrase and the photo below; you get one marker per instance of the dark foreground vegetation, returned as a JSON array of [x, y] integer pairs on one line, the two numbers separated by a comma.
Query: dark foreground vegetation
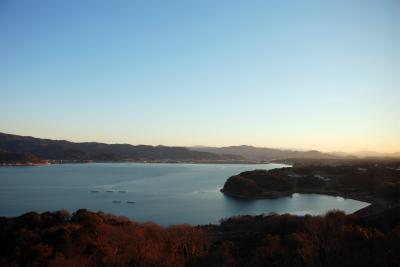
[[95, 239]]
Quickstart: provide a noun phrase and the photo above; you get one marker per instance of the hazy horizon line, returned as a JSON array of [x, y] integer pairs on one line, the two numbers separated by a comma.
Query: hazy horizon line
[[333, 151]]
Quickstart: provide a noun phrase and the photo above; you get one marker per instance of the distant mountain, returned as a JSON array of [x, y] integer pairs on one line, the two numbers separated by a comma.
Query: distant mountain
[[65, 150], [368, 154], [30, 149], [263, 153]]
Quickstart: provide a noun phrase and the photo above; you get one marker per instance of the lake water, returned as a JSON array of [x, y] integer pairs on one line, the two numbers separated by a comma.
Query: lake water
[[164, 193]]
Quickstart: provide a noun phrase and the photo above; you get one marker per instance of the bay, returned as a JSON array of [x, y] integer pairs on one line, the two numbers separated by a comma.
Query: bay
[[163, 193]]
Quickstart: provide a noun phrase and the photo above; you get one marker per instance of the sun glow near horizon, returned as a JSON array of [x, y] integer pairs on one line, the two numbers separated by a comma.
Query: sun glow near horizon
[[346, 145]]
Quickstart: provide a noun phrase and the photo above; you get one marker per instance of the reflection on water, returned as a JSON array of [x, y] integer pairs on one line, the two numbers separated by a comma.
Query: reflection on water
[[164, 193]]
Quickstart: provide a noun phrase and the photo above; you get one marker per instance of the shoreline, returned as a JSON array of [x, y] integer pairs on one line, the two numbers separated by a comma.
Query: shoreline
[[375, 205], [275, 195], [143, 162]]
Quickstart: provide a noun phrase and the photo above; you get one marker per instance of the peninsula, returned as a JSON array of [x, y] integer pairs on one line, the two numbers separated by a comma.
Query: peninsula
[[370, 181]]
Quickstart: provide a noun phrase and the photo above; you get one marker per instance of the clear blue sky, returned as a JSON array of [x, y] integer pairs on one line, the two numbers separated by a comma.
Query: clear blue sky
[[293, 74]]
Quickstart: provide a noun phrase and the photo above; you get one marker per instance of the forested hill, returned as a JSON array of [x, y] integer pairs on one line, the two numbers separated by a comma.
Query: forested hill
[[65, 150]]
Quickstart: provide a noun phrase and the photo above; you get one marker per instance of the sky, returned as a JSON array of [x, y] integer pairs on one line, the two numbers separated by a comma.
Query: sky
[[287, 74]]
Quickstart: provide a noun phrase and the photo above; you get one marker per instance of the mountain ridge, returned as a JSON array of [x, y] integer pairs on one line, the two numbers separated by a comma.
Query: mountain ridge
[[51, 149], [263, 153], [66, 150], [267, 153]]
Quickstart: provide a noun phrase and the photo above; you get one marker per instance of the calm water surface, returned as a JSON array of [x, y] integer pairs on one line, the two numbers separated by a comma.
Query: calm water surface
[[164, 193]]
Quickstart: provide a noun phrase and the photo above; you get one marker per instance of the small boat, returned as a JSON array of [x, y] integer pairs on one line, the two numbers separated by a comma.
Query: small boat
[[131, 202], [122, 191], [94, 191], [117, 201], [110, 191]]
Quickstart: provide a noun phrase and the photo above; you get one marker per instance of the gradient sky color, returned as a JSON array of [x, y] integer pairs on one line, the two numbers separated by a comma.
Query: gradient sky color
[[291, 74]]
